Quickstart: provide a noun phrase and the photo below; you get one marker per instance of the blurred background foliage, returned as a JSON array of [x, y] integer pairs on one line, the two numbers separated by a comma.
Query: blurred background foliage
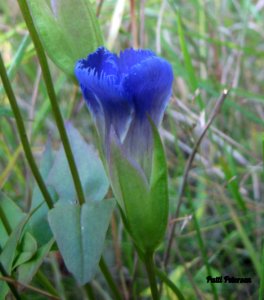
[[211, 45]]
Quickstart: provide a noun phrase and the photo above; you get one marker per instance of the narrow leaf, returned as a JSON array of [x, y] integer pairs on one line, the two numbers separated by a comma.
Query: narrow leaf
[[27, 249], [27, 270], [7, 256], [159, 197]]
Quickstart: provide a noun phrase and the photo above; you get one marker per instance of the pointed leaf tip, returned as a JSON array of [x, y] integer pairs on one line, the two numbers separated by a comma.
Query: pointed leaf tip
[[80, 235]]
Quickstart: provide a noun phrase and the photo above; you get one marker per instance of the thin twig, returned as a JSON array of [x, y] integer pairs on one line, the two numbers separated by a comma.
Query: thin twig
[[142, 24], [11, 286], [188, 167], [158, 28], [133, 24], [30, 287], [188, 150], [99, 7], [219, 136], [188, 274]]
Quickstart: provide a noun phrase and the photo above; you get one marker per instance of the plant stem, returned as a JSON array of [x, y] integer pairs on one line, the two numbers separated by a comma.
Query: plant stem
[[150, 267], [201, 244], [23, 134], [261, 285], [5, 221], [59, 121], [53, 99], [169, 283], [44, 281], [187, 168], [89, 291], [109, 279]]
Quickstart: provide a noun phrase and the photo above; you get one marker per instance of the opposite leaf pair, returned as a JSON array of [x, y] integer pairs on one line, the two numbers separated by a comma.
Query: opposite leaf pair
[[79, 230]]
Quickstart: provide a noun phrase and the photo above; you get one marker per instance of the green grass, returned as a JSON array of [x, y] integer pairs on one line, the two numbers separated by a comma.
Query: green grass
[[211, 45]]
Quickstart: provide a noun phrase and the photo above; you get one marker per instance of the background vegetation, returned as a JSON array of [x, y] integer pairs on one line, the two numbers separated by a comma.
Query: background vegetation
[[212, 45]]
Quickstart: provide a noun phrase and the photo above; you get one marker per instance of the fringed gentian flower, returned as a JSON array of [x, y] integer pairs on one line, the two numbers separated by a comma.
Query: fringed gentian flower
[[127, 96]]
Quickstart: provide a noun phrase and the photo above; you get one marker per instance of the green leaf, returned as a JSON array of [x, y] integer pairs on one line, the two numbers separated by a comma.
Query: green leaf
[[12, 214], [232, 182], [159, 195], [131, 190], [144, 205], [27, 248], [68, 30], [80, 234], [27, 270], [7, 256], [38, 223], [54, 168], [90, 168]]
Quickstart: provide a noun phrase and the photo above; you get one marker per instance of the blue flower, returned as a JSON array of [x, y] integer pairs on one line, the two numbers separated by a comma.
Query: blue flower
[[127, 96], [122, 92]]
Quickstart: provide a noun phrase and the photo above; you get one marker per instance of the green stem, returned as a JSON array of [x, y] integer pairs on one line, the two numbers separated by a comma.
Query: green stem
[[89, 291], [46, 283], [23, 134], [201, 245], [5, 221], [59, 121], [109, 279], [57, 277], [53, 99], [169, 283], [150, 267], [261, 286]]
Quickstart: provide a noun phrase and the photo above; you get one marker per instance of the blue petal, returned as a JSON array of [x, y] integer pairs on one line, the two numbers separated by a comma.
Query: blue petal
[[130, 57], [102, 61], [122, 91], [105, 100], [149, 86]]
